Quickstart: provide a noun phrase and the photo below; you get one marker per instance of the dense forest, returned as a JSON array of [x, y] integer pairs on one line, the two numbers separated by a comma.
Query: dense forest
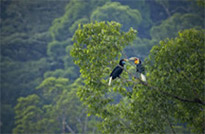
[[57, 56]]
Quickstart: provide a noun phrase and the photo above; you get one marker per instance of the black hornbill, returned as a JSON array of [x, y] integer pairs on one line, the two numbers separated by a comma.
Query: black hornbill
[[139, 67], [117, 70]]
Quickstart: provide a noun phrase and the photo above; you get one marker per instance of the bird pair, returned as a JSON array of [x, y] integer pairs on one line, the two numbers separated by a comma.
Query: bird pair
[[119, 69]]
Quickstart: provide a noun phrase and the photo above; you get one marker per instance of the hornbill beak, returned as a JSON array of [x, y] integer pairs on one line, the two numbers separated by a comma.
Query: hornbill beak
[[133, 58], [126, 59], [136, 60]]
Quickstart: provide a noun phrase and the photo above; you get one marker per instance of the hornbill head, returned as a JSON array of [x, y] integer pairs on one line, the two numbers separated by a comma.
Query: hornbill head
[[136, 60], [122, 61]]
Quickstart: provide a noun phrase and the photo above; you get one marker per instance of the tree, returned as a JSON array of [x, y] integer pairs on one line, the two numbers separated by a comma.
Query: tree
[[24, 37], [174, 72], [75, 11], [96, 47], [176, 69], [200, 2], [144, 8], [27, 114], [114, 11], [170, 27], [55, 108], [140, 48]]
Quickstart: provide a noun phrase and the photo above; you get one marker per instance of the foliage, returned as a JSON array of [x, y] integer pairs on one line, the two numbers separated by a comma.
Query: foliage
[[139, 48], [176, 67], [26, 16], [94, 42], [54, 109], [114, 11], [78, 11], [7, 114], [17, 45], [170, 27], [144, 9], [24, 36], [36, 40], [131, 106], [200, 2], [27, 114], [19, 78]]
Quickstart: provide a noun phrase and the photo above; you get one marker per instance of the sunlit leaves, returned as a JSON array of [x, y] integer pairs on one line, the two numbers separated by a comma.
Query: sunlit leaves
[[96, 47], [99, 44], [174, 67]]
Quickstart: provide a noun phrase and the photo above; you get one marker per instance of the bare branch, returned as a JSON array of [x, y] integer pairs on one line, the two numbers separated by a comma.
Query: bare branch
[[69, 128], [85, 125]]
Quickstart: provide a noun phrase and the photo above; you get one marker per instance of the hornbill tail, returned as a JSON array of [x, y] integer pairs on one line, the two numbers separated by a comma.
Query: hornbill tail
[[143, 78], [110, 80]]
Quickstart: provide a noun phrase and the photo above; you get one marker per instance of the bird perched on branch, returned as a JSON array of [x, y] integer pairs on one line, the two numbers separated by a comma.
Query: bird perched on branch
[[139, 68], [117, 70]]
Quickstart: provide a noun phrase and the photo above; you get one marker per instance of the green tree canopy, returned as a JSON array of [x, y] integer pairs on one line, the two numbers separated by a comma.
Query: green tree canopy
[[75, 11], [178, 22], [62, 30], [114, 11], [173, 93], [54, 109], [176, 67], [96, 46], [36, 41]]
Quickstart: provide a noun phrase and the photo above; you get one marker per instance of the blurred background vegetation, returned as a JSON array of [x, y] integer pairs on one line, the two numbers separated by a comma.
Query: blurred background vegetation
[[39, 79]]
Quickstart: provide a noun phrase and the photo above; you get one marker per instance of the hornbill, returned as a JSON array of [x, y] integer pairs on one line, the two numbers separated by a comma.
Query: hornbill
[[139, 67], [117, 70]]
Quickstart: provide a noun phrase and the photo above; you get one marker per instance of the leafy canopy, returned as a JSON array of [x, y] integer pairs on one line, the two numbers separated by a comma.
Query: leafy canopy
[[114, 11], [173, 93], [177, 22], [54, 109], [96, 46], [176, 67]]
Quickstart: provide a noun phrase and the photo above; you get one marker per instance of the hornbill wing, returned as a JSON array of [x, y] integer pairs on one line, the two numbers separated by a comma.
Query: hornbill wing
[[140, 68], [116, 72]]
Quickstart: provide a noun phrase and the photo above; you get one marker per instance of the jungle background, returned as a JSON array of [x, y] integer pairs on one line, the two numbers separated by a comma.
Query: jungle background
[[56, 57]]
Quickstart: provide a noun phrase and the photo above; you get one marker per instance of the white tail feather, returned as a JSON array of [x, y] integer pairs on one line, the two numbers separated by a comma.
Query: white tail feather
[[143, 78], [110, 81]]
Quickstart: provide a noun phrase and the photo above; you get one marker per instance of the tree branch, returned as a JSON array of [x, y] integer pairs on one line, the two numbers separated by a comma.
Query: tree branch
[[85, 125], [196, 100], [69, 128], [175, 10], [166, 10]]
